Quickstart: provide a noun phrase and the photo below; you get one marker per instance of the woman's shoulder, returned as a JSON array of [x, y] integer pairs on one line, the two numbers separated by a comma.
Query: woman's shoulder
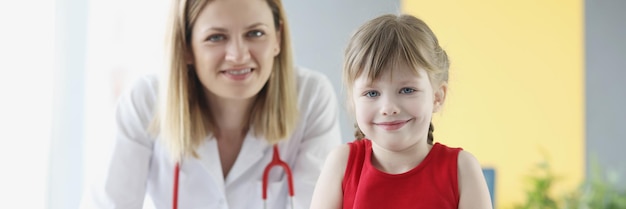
[[140, 95], [145, 84], [316, 94], [310, 81], [306, 73]]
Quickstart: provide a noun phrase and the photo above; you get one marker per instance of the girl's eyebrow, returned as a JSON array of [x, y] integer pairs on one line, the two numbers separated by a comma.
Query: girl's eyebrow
[[372, 83], [368, 85], [407, 82]]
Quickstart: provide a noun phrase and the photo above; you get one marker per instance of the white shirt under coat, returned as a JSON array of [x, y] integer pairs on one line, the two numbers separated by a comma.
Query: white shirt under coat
[[140, 166]]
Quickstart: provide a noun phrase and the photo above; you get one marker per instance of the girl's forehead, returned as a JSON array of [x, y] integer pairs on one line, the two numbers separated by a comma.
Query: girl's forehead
[[391, 74]]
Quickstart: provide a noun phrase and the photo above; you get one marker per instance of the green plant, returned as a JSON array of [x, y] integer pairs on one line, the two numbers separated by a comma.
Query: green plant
[[538, 195], [597, 192]]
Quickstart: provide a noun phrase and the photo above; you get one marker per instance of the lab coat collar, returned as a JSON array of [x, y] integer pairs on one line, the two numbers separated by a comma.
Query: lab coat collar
[[209, 158], [251, 153]]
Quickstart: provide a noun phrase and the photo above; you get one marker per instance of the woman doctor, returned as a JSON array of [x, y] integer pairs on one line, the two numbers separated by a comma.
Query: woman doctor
[[230, 92]]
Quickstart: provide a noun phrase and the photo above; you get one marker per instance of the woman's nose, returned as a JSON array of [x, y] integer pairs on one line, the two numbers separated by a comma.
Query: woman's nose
[[237, 51]]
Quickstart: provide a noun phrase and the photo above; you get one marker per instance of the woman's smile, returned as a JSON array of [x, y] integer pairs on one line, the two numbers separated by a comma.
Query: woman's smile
[[238, 74]]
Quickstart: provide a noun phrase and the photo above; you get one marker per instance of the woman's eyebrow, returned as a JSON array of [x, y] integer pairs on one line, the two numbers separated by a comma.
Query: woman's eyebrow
[[224, 30], [256, 25]]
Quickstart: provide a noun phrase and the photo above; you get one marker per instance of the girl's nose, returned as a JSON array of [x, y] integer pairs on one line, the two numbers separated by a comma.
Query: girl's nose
[[390, 112], [389, 109]]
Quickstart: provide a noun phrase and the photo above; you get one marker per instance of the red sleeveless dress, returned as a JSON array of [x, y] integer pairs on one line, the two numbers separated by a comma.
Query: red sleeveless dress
[[431, 184]]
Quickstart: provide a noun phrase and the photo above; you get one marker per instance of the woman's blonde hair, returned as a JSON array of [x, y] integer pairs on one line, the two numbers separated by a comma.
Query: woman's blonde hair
[[383, 43], [183, 119]]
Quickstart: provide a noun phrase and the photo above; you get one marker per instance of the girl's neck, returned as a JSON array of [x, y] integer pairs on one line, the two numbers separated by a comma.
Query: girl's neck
[[230, 115], [397, 162]]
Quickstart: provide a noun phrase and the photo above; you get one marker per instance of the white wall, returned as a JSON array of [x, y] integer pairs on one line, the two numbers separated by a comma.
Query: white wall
[[27, 71]]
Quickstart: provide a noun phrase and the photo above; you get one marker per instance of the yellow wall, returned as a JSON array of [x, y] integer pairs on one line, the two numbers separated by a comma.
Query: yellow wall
[[516, 87]]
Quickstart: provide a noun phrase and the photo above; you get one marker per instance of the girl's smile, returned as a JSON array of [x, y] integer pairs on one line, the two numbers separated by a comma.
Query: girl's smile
[[393, 125]]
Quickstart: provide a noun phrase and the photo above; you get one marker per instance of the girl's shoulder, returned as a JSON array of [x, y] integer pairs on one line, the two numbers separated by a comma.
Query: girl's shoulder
[[337, 159], [339, 154], [443, 153], [468, 164], [472, 184], [465, 160]]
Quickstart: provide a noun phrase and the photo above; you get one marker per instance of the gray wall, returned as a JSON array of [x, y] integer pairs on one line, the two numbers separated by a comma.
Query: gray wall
[[605, 54], [320, 31]]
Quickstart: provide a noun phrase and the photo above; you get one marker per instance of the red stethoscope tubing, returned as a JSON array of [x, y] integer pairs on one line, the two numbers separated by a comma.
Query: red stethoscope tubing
[[276, 161], [176, 172]]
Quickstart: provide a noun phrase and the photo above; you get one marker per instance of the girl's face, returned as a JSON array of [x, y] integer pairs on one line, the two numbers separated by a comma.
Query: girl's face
[[233, 44], [394, 111]]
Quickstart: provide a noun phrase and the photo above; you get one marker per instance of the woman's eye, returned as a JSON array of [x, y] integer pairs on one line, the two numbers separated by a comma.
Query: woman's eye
[[255, 33], [216, 38], [407, 90], [371, 94]]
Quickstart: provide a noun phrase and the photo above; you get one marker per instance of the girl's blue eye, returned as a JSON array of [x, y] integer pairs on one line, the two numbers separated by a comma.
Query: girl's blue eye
[[407, 90], [372, 94], [216, 38], [255, 33]]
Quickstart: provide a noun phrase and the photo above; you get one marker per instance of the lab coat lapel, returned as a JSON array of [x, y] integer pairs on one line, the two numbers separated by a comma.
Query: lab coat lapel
[[210, 160], [252, 151]]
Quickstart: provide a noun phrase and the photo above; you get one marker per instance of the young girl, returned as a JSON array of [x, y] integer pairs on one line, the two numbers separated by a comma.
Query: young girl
[[396, 77]]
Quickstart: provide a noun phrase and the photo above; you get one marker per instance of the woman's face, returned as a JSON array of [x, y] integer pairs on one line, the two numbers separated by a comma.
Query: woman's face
[[233, 45]]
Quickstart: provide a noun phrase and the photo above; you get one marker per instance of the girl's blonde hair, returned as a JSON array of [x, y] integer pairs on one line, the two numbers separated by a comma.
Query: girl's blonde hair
[[383, 43], [183, 119]]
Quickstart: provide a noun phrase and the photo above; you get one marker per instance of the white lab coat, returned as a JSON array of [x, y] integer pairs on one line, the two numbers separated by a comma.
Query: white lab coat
[[140, 166]]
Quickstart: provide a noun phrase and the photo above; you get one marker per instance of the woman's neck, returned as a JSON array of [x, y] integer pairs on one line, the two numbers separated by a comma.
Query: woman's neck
[[397, 162], [230, 115]]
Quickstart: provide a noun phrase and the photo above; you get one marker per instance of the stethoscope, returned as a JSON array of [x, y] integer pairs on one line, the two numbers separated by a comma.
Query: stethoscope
[[276, 161]]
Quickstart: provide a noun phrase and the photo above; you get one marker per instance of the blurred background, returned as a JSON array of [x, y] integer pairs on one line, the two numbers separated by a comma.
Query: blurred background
[[537, 89]]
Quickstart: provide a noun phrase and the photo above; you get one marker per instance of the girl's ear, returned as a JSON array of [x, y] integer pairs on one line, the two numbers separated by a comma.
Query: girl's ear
[[440, 96]]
